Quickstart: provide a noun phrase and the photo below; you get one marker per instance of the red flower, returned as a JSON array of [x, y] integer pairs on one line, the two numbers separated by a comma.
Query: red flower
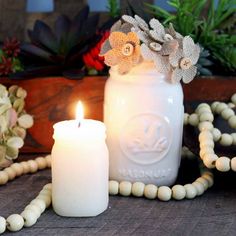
[[5, 66], [92, 59], [11, 47]]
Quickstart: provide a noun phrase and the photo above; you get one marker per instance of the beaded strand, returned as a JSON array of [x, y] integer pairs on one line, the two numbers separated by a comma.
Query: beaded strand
[[203, 119], [33, 211]]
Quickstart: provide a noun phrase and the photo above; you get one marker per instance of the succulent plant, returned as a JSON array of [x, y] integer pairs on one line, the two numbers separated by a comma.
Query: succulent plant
[[60, 51], [13, 121], [204, 62]]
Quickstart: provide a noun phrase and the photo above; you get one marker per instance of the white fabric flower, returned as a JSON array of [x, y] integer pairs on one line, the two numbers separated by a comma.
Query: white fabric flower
[[184, 61], [162, 63]]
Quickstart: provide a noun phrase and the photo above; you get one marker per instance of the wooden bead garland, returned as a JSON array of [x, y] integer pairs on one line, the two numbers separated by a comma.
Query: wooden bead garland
[[33, 211], [203, 118]]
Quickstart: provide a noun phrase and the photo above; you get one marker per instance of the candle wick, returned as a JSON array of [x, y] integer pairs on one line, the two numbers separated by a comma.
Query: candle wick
[[79, 124]]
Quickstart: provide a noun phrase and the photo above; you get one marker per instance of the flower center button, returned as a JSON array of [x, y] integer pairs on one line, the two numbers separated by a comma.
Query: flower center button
[[127, 49], [185, 63]]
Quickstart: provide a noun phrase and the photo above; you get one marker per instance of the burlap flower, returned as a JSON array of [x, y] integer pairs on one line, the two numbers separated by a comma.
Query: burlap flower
[[124, 52], [157, 44], [183, 60], [162, 63], [169, 50], [117, 27]]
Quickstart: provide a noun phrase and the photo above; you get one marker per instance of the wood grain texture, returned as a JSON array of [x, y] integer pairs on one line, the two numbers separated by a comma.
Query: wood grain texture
[[51, 100], [211, 214]]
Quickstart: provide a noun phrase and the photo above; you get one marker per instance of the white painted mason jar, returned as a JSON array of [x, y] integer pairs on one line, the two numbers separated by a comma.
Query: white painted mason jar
[[143, 114]]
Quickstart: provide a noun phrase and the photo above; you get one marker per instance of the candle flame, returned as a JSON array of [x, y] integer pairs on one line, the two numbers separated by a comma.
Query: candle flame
[[79, 112]]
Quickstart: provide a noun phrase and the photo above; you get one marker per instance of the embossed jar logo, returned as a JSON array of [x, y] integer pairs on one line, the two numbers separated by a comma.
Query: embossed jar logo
[[146, 138]]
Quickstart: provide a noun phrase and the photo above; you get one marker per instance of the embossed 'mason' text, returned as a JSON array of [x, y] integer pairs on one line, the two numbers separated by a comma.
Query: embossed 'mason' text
[[157, 174]]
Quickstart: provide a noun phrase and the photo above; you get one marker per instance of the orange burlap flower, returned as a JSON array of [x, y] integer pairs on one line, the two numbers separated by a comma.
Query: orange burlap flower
[[124, 52]]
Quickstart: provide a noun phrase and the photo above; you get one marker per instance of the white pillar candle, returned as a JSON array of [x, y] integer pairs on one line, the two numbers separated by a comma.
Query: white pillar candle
[[79, 168]]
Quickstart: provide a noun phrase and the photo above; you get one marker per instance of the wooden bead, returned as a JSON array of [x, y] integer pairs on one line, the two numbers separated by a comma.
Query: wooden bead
[[186, 117], [206, 134], [214, 105], [233, 164], [125, 188], [206, 172], [202, 110], [3, 225], [234, 138], [40, 203], [10, 172], [48, 160], [207, 143], [42, 163], [178, 192], [209, 179], [3, 177], [193, 119], [34, 208], [206, 150], [30, 218], [223, 164], [18, 168], [220, 107], [205, 125], [227, 113], [46, 198], [232, 122], [231, 105], [138, 189], [26, 167], [48, 186], [233, 99], [33, 166], [206, 116], [209, 160], [15, 222], [226, 140], [191, 191], [164, 193], [150, 191], [216, 134], [46, 192], [199, 187], [203, 181], [203, 105], [113, 187]]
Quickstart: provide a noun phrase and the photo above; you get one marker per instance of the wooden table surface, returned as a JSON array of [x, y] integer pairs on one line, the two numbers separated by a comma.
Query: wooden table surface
[[214, 213]]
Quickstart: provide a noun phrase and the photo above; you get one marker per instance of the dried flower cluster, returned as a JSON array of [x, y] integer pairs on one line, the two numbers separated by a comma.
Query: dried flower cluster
[[13, 121], [132, 40]]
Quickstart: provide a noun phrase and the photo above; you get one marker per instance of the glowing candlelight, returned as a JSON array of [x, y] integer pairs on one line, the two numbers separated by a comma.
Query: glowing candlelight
[[79, 113]]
